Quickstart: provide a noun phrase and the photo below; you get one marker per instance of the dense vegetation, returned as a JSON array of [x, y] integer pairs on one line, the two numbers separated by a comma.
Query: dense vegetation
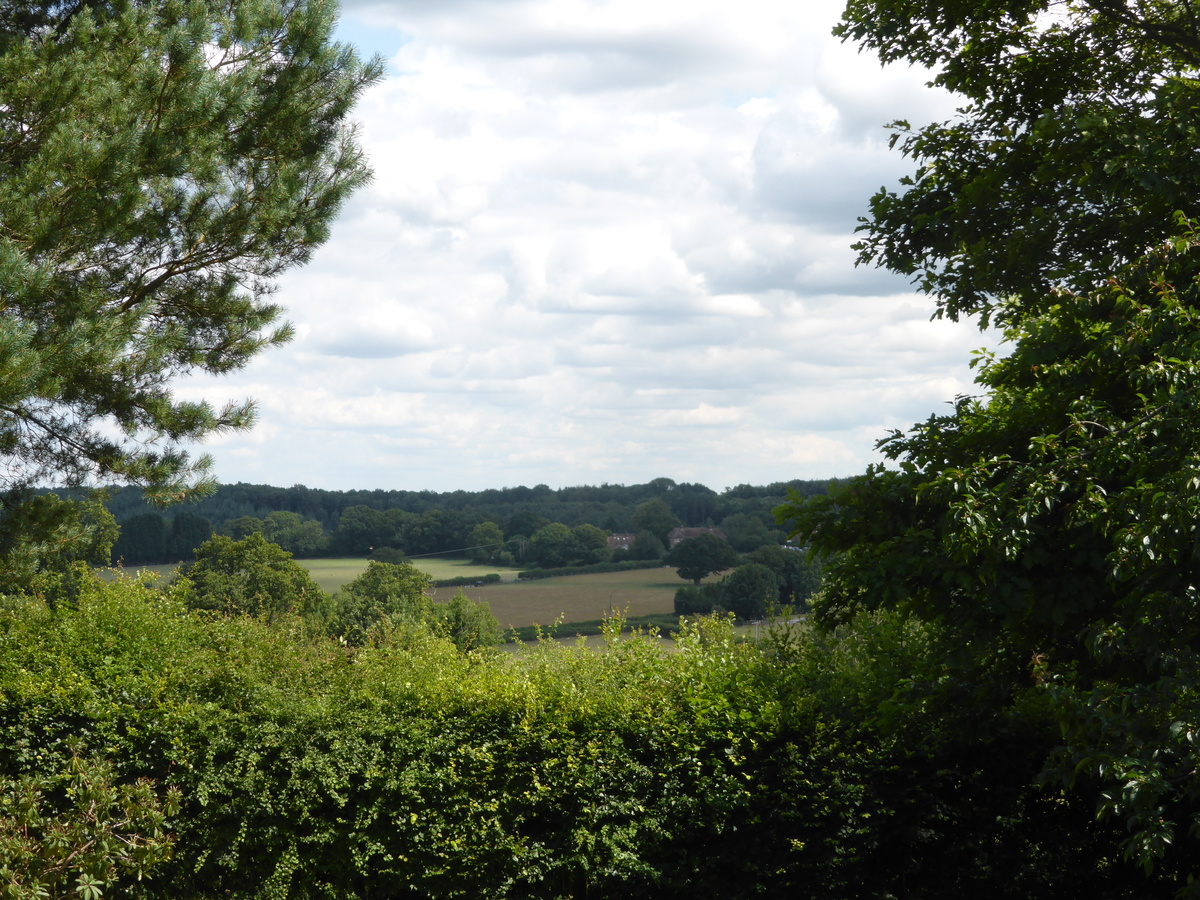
[[285, 765], [999, 693], [1050, 527], [499, 526]]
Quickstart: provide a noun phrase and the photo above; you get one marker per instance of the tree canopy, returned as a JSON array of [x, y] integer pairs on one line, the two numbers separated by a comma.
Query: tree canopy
[[251, 577], [395, 591], [1047, 528], [160, 165], [750, 590], [700, 556], [1071, 154]]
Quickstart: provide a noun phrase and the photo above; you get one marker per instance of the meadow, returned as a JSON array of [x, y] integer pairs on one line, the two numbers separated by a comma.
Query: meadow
[[332, 573]]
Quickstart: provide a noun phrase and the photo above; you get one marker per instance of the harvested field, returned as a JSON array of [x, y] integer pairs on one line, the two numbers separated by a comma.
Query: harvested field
[[577, 598]]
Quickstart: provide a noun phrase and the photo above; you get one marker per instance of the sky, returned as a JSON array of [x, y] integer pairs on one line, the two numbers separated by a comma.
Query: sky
[[605, 242]]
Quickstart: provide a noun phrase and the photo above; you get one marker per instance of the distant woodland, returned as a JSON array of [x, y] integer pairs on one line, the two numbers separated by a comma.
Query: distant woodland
[[310, 522]]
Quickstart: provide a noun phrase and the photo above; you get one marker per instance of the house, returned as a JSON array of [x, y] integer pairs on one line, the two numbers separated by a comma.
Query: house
[[682, 534], [621, 541]]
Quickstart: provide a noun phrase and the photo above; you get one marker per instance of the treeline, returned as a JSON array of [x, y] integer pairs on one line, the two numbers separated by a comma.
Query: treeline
[[309, 522]]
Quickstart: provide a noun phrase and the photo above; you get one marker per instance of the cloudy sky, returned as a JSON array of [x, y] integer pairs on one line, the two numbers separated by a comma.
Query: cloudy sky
[[607, 241]]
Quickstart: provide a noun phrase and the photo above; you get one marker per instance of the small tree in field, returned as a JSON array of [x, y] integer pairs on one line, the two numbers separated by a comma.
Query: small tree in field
[[468, 623], [700, 556], [397, 591]]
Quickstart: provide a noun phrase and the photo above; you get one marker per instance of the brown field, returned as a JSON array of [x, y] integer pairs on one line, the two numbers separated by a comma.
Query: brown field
[[572, 598], [577, 598]]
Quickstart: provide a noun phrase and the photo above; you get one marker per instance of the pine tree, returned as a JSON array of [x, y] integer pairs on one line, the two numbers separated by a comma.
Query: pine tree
[[160, 164]]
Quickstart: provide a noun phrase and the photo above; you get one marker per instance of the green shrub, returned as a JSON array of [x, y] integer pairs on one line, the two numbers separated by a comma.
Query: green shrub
[[78, 833], [469, 624], [698, 600], [467, 580], [808, 765], [595, 568], [395, 591]]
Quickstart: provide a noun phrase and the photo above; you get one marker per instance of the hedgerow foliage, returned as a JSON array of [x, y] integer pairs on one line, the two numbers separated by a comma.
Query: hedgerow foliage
[[807, 766]]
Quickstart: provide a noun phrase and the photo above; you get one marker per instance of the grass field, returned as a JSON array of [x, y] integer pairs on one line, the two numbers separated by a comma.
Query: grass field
[[572, 598], [331, 574], [166, 571]]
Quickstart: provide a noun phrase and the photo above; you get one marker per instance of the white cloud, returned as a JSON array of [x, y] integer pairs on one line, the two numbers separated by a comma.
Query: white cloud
[[605, 241]]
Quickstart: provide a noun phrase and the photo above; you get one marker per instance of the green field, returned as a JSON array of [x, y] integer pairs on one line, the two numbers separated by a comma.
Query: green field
[[331, 574], [165, 571]]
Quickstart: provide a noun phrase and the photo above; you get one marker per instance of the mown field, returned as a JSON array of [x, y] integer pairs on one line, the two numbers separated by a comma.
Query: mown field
[[331, 574]]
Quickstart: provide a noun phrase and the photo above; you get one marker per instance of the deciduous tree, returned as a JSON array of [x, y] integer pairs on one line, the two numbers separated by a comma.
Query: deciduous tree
[[468, 623], [700, 556], [1049, 526], [591, 545], [251, 577], [655, 517], [1070, 155], [397, 591], [750, 590], [486, 542], [552, 546]]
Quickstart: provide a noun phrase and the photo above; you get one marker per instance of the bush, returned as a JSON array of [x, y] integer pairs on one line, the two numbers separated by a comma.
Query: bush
[[596, 568], [699, 600], [383, 591], [467, 580], [654, 625], [78, 833], [388, 555], [749, 590], [812, 765], [468, 623]]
